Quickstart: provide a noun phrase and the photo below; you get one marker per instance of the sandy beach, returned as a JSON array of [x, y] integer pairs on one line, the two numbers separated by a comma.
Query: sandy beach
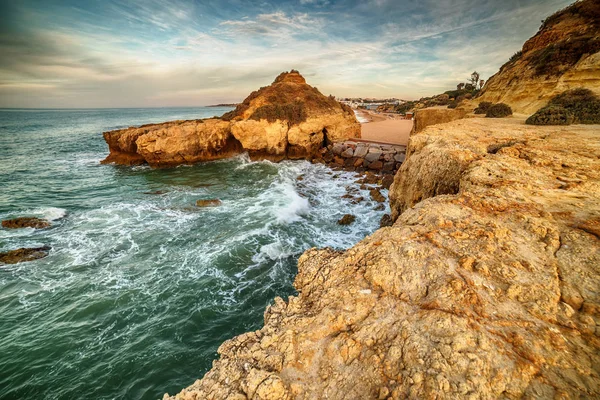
[[385, 128]]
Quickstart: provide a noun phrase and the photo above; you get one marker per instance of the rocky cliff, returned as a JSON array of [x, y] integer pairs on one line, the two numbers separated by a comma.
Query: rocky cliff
[[288, 119], [486, 286], [563, 55]]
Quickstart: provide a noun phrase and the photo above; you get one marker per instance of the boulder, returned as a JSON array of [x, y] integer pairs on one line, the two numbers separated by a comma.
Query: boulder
[[376, 165], [25, 222], [377, 196], [347, 219], [386, 220], [208, 203], [288, 119], [23, 255]]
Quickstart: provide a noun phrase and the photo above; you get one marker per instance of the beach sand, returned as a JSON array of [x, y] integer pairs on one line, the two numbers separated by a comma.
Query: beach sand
[[385, 128]]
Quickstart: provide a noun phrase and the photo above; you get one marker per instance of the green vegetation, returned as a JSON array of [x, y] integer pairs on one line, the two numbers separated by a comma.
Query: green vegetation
[[483, 107], [294, 113], [561, 55], [577, 106], [499, 110], [285, 101]]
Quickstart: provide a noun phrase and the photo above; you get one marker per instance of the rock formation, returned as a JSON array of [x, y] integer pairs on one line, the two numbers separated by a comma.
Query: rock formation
[[486, 286], [288, 119], [25, 222], [563, 55], [23, 255], [433, 116]]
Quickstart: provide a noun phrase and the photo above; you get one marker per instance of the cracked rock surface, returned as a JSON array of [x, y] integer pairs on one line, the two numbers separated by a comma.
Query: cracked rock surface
[[486, 286]]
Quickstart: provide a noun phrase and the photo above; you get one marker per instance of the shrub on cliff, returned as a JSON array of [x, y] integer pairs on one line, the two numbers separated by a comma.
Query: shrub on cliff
[[294, 113], [483, 107], [577, 106], [551, 115], [499, 110]]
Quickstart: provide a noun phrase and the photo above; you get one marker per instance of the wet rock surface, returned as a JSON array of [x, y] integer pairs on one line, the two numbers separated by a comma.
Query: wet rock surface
[[486, 286], [347, 219], [208, 203], [23, 255], [25, 222]]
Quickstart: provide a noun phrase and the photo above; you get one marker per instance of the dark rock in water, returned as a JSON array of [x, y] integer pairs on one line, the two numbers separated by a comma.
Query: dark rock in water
[[208, 203], [24, 254], [25, 222], [157, 192], [387, 181], [377, 196], [386, 220], [379, 207], [347, 219], [300, 178]]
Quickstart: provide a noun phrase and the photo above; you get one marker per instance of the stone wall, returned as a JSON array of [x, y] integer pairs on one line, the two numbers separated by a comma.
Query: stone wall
[[364, 156]]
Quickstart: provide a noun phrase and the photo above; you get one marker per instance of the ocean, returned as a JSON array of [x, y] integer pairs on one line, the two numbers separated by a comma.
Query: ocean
[[141, 286]]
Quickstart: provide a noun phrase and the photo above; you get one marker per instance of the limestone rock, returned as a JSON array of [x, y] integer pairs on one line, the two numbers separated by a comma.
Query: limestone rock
[[208, 203], [25, 222], [463, 297], [288, 119], [431, 116], [347, 219], [563, 55], [23, 255]]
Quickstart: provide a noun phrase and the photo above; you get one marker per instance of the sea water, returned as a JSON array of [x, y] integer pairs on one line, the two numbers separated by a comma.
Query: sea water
[[141, 286]]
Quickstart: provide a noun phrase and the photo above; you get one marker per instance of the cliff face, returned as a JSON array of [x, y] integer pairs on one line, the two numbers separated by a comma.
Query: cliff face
[[488, 287], [288, 119], [563, 55]]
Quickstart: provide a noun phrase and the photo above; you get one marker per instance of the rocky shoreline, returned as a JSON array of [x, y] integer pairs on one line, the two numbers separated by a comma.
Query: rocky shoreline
[[481, 288]]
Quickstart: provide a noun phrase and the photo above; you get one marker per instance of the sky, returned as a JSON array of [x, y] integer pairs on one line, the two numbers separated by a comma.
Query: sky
[[175, 53]]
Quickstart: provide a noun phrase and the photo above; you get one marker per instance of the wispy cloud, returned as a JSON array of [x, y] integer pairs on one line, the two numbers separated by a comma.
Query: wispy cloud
[[62, 53]]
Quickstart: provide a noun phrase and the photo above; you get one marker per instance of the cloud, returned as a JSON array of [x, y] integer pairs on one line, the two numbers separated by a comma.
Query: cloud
[[176, 53]]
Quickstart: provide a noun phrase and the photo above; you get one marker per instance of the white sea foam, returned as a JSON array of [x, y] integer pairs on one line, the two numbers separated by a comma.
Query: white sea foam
[[51, 213]]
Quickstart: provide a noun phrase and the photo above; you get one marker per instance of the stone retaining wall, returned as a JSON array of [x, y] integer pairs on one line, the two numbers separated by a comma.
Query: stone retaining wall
[[363, 156]]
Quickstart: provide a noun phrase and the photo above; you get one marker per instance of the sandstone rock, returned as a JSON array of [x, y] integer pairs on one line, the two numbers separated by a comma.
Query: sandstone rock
[[377, 196], [23, 255], [208, 203], [347, 219], [358, 162], [376, 165], [400, 157], [288, 119], [372, 156], [361, 151], [387, 180], [348, 153], [563, 55], [25, 222], [461, 297], [432, 116], [386, 220]]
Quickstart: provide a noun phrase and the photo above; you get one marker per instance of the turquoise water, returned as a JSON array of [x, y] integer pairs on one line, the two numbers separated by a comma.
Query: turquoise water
[[141, 287]]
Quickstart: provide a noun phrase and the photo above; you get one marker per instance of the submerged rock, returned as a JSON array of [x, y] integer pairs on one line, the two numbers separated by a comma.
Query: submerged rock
[[208, 203], [25, 222], [24, 254], [377, 196], [347, 219], [288, 119]]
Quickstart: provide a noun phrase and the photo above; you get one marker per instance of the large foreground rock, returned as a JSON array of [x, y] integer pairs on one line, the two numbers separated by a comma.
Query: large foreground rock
[[486, 286], [288, 119]]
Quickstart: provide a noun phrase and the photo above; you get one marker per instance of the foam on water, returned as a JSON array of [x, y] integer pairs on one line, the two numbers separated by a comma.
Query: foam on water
[[142, 288]]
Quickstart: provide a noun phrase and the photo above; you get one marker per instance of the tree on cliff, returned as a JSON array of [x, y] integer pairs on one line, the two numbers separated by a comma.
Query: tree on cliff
[[474, 79], [460, 86], [481, 83]]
